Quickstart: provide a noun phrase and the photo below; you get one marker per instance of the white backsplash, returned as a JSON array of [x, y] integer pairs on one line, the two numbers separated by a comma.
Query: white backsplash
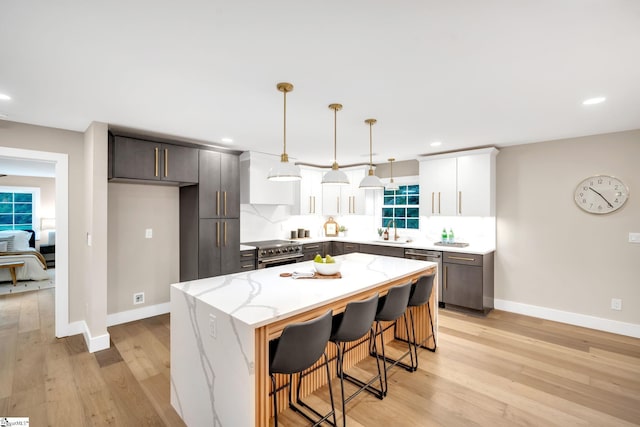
[[266, 222]]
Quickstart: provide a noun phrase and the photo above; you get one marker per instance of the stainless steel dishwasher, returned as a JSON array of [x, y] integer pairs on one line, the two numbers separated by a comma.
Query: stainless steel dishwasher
[[432, 256]]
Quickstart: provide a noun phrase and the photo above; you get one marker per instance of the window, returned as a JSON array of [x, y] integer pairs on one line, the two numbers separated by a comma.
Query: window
[[403, 206], [17, 209]]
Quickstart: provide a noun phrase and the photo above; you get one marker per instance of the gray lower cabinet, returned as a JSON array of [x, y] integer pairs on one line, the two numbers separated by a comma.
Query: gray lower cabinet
[[218, 243], [382, 250], [310, 250], [343, 248], [248, 259], [467, 280], [133, 158]]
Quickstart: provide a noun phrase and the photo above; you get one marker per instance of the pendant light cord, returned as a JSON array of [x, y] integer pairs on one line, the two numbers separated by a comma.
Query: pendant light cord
[[335, 135], [370, 145], [284, 131]]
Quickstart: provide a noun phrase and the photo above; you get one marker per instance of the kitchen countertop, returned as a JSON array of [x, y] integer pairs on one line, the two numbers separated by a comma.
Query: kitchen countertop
[[246, 247], [415, 244], [261, 296]]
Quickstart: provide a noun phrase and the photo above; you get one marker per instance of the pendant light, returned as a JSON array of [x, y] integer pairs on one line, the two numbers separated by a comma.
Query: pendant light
[[391, 185], [371, 181], [284, 171], [335, 176]]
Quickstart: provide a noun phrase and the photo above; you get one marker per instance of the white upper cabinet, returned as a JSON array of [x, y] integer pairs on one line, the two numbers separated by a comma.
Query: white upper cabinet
[[461, 183], [309, 198], [345, 199], [255, 188]]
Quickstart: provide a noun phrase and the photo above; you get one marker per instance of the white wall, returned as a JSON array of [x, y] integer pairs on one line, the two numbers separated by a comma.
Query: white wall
[[552, 254], [137, 264]]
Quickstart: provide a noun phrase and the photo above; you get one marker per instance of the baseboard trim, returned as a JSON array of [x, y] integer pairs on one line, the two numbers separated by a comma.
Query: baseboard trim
[[137, 314], [101, 342], [592, 322]]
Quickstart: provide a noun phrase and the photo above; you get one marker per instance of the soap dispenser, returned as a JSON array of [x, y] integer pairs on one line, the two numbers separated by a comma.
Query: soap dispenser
[[444, 235]]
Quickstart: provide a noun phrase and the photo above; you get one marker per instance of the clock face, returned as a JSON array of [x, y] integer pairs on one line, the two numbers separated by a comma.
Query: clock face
[[601, 194]]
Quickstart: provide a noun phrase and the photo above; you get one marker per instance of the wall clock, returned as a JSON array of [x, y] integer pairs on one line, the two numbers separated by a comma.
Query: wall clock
[[601, 194]]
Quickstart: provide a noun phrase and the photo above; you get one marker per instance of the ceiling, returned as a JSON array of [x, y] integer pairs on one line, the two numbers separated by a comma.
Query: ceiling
[[466, 73]]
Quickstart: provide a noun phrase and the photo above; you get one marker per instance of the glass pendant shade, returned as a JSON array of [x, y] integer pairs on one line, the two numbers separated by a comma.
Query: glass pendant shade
[[371, 181], [284, 171], [335, 176]]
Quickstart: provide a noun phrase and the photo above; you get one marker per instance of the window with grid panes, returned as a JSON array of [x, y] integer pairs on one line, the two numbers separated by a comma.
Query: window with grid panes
[[403, 206], [16, 210]]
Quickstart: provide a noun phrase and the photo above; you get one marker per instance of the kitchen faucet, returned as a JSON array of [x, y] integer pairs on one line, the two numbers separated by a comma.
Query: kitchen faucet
[[395, 229]]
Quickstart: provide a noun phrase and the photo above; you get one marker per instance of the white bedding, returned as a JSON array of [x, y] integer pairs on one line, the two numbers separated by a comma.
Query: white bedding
[[32, 269]]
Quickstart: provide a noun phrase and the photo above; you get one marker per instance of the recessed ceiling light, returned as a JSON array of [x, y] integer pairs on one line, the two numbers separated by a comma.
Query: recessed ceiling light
[[593, 101], [436, 144], [227, 140], [4, 97]]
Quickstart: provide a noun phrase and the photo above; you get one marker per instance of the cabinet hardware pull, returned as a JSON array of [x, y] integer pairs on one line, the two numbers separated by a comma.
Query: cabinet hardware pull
[[247, 255], [225, 204], [446, 273], [338, 204], [433, 194], [310, 210], [439, 210], [156, 170], [313, 247], [462, 258], [224, 233], [314, 204], [217, 234], [217, 203], [247, 266], [166, 162], [459, 202]]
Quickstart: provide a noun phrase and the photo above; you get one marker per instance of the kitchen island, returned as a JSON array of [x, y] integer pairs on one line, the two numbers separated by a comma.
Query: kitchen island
[[221, 327]]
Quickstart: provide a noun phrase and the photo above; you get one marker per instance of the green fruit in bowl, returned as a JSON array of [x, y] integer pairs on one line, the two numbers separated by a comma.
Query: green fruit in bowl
[[329, 260], [318, 258]]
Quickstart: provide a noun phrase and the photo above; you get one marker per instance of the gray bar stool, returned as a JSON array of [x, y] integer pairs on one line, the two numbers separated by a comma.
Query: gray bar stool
[[351, 325], [390, 308], [420, 293], [296, 350]]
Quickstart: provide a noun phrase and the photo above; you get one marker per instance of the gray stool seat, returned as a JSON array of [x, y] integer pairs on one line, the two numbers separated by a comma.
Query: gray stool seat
[[297, 349], [390, 308], [354, 323]]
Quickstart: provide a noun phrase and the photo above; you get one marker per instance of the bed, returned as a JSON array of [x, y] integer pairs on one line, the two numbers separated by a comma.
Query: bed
[[19, 245]]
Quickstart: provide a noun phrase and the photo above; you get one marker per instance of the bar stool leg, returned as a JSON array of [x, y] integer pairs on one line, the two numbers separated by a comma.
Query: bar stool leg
[[275, 399]]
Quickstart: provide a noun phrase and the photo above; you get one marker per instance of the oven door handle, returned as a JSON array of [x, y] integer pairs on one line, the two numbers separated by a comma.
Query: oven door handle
[[284, 258]]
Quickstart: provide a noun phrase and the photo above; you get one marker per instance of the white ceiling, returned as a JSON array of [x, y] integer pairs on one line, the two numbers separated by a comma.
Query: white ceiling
[[467, 73]]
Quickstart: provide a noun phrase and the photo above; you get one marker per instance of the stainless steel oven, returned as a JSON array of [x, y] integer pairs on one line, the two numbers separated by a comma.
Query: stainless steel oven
[[433, 256], [272, 253]]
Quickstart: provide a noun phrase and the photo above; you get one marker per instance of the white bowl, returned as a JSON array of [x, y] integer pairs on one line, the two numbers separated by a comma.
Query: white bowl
[[327, 269]]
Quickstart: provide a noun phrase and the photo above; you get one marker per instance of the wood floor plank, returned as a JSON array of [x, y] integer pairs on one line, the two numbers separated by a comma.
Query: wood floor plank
[[500, 370], [29, 313]]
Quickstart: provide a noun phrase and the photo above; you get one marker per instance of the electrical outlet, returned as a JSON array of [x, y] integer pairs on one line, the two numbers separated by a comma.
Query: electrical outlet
[[138, 298], [213, 326], [148, 233], [616, 304]]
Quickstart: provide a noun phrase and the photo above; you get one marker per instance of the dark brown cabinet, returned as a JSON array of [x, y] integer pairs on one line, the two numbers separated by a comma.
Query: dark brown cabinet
[[382, 250], [219, 185], [218, 243], [309, 250], [343, 248], [467, 280], [132, 158], [248, 260]]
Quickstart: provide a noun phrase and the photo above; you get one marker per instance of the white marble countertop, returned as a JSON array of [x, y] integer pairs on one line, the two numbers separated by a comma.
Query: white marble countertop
[[260, 297], [415, 244], [246, 247]]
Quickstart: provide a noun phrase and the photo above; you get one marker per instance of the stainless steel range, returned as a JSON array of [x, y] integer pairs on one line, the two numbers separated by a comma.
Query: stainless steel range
[[277, 252]]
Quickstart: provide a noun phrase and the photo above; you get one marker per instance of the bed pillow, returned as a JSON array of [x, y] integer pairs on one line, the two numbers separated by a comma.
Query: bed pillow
[[3, 246], [21, 239], [9, 241]]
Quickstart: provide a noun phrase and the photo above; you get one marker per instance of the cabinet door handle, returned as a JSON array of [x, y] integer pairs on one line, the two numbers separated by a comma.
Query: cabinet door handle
[[314, 204], [217, 203], [433, 205], [156, 169], [459, 202], [461, 258], [166, 162], [224, 233], [217, 234], [439, 210], [247, 255], [310, 204], [225, 203], [338, 204], [446, 272]]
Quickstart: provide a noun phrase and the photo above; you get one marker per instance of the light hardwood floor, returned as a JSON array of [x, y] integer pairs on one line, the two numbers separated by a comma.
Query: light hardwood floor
[[499, 370]]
